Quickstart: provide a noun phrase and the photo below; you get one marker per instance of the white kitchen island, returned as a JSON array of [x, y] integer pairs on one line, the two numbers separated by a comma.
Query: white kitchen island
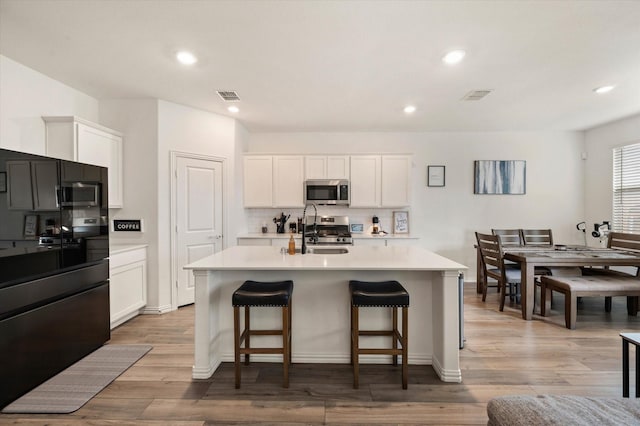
[[321, 304]]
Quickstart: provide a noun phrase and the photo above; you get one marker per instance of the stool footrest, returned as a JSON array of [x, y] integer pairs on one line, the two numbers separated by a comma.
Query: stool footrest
[[379, 351], [378, 333], [265, 332], [252, 351]]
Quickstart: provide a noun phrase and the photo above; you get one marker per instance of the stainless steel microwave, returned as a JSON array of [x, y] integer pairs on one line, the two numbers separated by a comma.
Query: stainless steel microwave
[[78, 194], [333, 192]]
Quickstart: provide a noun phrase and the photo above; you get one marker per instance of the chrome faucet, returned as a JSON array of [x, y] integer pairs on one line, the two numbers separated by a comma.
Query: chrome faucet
[[303, 249]]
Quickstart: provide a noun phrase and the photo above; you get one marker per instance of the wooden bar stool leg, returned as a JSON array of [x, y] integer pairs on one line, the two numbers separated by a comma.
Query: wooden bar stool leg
[[394, 336], [247, 336], [351, 328], [355, 332], [236, 343], [290, 338], [285, 346], [405, 349]]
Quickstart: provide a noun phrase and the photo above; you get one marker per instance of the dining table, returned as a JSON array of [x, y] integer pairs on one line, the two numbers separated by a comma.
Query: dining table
[[529, 257]]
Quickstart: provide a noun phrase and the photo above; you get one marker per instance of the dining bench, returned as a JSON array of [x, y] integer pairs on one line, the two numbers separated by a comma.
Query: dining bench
[[589, 286]]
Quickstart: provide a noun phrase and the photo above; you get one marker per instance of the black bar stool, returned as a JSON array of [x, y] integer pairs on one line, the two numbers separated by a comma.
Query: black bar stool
[[379, 294], [255, 293]]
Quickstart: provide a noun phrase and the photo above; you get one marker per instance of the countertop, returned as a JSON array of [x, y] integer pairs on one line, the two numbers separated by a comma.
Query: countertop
[[358, 258], [273, 235], [19, 251]]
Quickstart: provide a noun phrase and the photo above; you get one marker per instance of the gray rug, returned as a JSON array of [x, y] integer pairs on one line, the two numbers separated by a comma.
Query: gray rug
[[75, 386]]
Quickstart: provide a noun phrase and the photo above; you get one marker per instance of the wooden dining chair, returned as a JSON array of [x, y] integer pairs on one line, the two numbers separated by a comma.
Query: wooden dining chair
[[509, 237], [537, 237], [493, 263]]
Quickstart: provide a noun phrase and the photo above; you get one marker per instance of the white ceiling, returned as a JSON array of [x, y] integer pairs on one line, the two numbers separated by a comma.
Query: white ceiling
[[345, 65]]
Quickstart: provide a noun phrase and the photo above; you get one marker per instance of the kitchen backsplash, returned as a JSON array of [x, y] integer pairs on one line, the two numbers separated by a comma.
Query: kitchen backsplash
[[257, 217]]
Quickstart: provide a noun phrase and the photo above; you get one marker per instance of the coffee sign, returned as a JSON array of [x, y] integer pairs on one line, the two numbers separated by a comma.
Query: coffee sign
[[127, 225]]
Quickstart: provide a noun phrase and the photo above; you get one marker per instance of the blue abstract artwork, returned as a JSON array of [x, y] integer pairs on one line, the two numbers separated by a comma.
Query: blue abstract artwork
[[500, 177]]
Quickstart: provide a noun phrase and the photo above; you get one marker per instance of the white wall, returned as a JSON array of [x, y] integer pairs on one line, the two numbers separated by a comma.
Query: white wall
[[185, 129], [599, 144], [27, 95], [445, 218], [138, 121]]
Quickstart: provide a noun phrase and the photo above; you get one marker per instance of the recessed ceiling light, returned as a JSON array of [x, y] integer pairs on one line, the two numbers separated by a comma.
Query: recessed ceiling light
[[603, 89], [454, 57], [409, 109], [186, 58], [233, 109]]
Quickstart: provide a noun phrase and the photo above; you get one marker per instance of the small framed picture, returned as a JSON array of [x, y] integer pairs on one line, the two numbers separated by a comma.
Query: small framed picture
[[3, 181], [435, 175], [401, 222], [30, 226], [357, 228]]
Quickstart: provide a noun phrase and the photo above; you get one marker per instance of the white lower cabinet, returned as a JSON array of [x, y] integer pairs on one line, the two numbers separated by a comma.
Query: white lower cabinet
[[127, 283]]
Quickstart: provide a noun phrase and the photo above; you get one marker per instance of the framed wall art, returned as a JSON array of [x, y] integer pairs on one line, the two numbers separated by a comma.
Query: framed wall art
[[401, 222], [435, 176], [30, 226], [357, 228], [500, 177]]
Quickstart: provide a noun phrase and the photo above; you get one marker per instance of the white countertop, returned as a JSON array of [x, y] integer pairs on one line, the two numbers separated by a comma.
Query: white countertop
[[354, 236], [358, 258]]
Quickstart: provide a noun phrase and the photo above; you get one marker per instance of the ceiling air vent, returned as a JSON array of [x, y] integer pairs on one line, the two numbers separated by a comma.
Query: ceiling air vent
[[475, 95], [228, 95]]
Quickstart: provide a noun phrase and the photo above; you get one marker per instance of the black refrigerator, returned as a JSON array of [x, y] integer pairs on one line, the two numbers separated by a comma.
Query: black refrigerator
[[54, 270]]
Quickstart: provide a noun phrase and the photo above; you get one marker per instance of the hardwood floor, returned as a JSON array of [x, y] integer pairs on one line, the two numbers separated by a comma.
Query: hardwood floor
[[503, 355]]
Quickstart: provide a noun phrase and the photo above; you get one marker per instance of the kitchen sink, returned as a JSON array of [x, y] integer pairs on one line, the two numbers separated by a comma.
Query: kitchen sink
[[327, 250]]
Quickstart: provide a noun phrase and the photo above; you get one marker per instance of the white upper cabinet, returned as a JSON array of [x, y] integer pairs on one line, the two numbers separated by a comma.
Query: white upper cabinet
[[44, 176], [258, 181], [32, 185], [396, 178], [72, 138], [273, 181], [326, 167], [288, 181], [19, 194], [365, 180], [103, 149], [278, 181], [380, 180]]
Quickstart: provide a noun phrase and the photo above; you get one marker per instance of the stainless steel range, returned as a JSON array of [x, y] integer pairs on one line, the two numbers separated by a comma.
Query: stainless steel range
[[328, 230]]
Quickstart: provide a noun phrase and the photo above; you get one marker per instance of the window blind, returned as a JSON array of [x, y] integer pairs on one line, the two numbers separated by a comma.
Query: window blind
[[626, 189]]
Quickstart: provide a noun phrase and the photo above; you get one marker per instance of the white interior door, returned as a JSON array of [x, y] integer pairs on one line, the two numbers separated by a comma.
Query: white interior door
[[198, 217]]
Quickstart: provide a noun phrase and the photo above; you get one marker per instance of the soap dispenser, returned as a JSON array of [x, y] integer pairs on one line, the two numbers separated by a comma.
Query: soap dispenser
[[292, 245]]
